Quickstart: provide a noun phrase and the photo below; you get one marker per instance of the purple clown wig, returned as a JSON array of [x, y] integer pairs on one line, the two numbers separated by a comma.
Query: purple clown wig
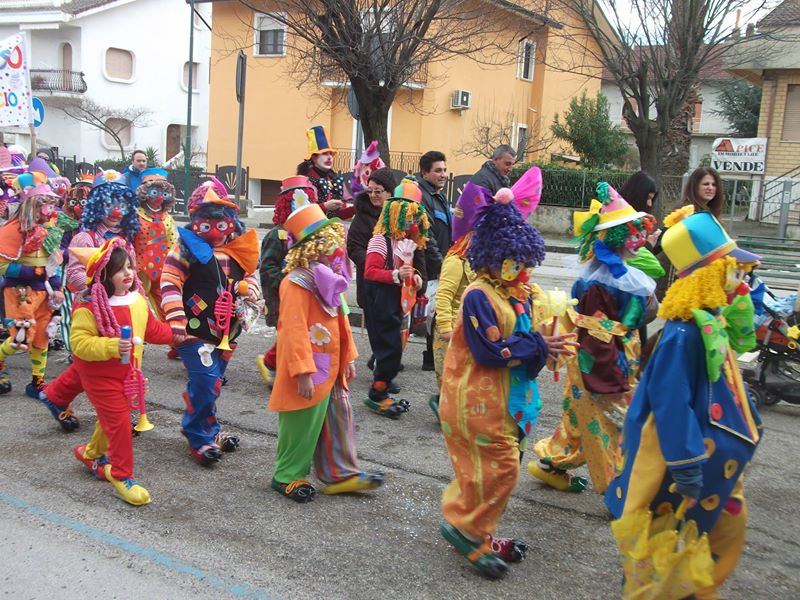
[[500, 234]]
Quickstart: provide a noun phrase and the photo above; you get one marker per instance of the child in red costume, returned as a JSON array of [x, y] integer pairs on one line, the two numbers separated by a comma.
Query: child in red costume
[[104, 361]]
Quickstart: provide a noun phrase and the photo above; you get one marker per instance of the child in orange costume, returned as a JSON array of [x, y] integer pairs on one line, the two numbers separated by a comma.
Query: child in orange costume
[[315, 364], [113, 301]]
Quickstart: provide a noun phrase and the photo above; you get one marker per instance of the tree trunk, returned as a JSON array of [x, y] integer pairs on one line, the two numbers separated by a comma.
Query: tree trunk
[[375, 123], [373, 111]]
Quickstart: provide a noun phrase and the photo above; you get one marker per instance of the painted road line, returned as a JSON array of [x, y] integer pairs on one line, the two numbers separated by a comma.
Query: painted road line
[[243, 590]]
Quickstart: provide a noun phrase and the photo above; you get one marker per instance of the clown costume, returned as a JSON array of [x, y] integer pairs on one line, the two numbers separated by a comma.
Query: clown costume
[[315, 364], [692, 429], [210, 269]]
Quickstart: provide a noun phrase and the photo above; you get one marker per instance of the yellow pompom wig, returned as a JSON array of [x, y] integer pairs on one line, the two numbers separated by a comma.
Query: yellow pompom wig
[[702, 288], [321, 243], [404, 219]]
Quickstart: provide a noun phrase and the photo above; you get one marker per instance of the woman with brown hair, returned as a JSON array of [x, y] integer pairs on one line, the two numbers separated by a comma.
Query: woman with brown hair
[[704, 190]]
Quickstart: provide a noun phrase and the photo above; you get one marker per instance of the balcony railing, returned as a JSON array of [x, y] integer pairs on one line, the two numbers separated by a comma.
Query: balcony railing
[[331, 73], [58, 80], [346, 158]]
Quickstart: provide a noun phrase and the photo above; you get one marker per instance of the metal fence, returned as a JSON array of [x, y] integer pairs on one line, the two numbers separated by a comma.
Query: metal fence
[[73, 169]]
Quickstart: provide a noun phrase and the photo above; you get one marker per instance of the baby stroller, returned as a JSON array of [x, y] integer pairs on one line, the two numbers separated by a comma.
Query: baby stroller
[[776, 375]]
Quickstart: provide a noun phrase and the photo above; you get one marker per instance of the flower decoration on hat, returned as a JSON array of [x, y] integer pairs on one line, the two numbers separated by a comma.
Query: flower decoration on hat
[[609, 223], [109, 176], [295, 192], [403, 215]]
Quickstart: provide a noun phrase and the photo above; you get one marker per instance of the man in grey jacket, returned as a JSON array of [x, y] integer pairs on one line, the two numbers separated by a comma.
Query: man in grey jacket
[[493, 175]]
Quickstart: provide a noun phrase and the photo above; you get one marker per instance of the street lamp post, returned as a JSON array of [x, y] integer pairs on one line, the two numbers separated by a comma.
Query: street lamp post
[[187, 154]]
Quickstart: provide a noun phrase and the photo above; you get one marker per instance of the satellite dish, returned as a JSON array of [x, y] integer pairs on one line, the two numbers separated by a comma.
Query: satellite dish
[[352, 104]]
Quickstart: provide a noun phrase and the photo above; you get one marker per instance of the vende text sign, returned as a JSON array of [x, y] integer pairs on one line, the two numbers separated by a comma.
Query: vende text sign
[[745, 156]]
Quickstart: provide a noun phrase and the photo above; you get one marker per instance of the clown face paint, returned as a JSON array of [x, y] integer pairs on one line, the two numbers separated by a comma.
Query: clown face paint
[[115, 211], [324, 161], [77, 202], [515, 271], [636, 241], [214, 231], [734, 276], [45, 209], [156, 198]]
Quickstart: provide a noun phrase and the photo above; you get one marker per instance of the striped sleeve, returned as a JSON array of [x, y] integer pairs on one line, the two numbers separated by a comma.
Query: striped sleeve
[[377, 244], [176, 270]]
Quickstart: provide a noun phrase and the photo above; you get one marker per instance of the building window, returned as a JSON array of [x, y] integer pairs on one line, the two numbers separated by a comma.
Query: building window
[[195, 75], [526, 59], [270, 36], [791, 115], [119, 65], [122, 127], [520, 140]]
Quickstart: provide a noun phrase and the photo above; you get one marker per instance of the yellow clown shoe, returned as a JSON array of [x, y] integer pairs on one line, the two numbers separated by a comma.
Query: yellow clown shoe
[[129, 489], [356, 483], [556, 478]]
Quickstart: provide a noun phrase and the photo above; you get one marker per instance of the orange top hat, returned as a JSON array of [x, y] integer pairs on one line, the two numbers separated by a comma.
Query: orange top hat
[[304, 222], [210, 199]]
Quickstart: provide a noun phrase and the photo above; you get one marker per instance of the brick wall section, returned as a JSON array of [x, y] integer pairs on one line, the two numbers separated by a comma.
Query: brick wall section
[[781, 156]]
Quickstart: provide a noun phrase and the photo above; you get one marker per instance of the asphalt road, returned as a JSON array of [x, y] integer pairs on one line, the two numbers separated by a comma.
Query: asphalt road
[[222, 533]]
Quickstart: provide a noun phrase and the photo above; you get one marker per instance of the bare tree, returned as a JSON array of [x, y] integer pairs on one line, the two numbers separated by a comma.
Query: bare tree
[[654, 51], [109, 119], [491, 129], [380, 46]]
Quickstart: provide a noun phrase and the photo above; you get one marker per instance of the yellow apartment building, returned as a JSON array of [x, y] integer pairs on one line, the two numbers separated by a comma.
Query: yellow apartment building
[[523, 95]]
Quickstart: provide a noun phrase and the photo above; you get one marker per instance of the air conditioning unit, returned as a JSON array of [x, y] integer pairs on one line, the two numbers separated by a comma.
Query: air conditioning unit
[[461, 99]]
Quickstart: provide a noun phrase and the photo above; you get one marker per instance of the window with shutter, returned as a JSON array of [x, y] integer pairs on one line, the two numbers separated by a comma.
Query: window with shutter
[[270, 36], [791, 115]]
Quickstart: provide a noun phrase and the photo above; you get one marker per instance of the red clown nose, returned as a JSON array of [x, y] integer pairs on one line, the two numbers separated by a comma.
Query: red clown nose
[[115, 214]]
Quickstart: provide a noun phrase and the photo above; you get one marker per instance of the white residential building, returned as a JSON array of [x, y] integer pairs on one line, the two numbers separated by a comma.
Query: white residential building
[[120, 54], [706, 126]]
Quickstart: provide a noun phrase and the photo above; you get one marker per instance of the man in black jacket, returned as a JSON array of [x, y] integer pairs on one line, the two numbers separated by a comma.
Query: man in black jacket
[[432, 179], [493, 175]]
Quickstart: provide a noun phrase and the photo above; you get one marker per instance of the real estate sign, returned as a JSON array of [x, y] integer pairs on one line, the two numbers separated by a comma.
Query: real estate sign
[[745, 156], [15, 85]]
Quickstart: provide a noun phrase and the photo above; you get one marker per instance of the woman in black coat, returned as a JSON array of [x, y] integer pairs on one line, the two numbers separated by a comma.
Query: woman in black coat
[[369, 204]]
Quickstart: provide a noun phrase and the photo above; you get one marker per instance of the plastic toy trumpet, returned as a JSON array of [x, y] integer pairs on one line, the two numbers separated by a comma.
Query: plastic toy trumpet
[[223, 313], [554, 306], [135, 389]]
